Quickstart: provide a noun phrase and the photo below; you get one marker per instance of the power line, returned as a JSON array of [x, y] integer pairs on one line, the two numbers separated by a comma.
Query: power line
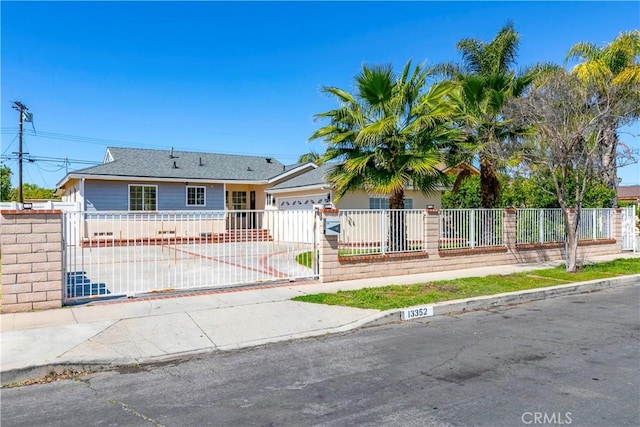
[[32, 159], [10, 144], [128, 144]]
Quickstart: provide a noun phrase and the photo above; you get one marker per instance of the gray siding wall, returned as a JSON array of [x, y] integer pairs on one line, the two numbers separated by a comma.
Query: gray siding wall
[[114, 196]]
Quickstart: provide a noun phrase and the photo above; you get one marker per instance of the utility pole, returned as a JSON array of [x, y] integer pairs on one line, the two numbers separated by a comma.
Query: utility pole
[[21, 109]]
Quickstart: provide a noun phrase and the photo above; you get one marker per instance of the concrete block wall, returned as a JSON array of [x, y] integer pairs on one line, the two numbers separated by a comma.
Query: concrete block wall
[[31, 257], [335, 268]]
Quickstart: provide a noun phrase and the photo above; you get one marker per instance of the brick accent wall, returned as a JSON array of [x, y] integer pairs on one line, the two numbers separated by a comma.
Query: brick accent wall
[[335, 268], [31, 256]]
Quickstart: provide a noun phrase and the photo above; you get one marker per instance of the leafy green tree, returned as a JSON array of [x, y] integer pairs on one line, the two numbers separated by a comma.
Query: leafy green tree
[[487, 81], [388, 135], [614, 70], [5, 183], [32, 191], [465, 196], [521, 191]]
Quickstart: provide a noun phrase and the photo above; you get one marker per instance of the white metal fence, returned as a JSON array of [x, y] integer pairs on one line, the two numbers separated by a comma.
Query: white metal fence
[[547, 225], [129, 253], [630, 236], [364, 231], [470, 228], [387, 231]]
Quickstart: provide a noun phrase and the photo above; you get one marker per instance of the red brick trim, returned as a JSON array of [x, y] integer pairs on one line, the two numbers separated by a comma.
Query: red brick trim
[[471, 251], [30, 211], [382, 257], [553, 245]]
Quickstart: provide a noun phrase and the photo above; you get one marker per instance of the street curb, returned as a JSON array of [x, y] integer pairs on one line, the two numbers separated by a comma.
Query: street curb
[[508, 298], [378, 319]]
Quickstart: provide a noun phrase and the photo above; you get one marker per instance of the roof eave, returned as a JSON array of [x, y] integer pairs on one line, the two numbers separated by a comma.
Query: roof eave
[[292, 171], [156, 179], [323, 186]]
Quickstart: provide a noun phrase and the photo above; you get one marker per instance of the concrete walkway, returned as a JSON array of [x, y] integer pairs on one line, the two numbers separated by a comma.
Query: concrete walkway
[[129, 331]]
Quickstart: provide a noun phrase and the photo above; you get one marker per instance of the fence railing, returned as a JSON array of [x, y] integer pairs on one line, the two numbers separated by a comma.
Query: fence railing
[[470, 228], [388, 231], [539, 226], [364, 231], [547, 225], [595, 224], [128, 253]]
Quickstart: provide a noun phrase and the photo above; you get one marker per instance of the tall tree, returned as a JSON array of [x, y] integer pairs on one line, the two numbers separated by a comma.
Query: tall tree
[[614, 70], [5, 183], [566, 131], [387, 136], [487, 81]]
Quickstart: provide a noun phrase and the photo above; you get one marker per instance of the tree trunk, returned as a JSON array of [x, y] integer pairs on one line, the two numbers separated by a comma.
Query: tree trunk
[[571, 223], [489, 183], [397, 224], [608, 157]]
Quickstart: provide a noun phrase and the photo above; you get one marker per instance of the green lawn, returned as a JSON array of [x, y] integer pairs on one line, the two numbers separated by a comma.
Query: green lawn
[[399, 296], [305, 259]]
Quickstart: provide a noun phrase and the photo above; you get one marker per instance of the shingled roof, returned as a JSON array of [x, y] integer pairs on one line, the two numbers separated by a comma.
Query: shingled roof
[[145, 163], [312, 178]]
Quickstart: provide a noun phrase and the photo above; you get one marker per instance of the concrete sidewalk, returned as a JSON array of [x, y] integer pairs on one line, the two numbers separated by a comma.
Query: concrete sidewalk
[[156, 329]]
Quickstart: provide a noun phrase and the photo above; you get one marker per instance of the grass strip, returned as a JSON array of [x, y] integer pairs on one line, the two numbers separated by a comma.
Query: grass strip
[[399, 296]]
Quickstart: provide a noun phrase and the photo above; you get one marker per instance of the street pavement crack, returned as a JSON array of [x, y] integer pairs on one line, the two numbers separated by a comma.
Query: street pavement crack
[[132, 411]]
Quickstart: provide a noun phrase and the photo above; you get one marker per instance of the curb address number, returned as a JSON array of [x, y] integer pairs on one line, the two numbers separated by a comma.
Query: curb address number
[[414, 313]]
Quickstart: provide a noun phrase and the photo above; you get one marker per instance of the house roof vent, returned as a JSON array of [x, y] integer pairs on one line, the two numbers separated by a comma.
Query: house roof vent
[[268, 159], [200, 162], [174, 165], [171, 153]]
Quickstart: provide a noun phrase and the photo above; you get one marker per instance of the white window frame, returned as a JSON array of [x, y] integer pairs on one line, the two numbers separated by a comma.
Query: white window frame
[[380, 200], [143, 186], [204, 195]]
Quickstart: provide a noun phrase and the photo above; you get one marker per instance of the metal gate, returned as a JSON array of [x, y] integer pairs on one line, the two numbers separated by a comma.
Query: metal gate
[[628, 221], [108, 254]]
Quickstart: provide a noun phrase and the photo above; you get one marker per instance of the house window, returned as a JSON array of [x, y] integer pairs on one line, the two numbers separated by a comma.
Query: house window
[[270, 200], [195, 196], [383, 203], [143, 197], [238, 200]]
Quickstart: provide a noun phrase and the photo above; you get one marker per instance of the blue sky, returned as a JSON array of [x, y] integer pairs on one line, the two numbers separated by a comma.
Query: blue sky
[[241, 77]]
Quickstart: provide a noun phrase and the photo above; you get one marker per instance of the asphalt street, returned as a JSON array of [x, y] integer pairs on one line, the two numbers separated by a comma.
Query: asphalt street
[[565, 361]]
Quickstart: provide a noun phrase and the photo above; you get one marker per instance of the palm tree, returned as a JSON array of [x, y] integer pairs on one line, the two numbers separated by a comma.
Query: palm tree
[[387, 136], [615, 71], [487, 81], [311, 156]]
